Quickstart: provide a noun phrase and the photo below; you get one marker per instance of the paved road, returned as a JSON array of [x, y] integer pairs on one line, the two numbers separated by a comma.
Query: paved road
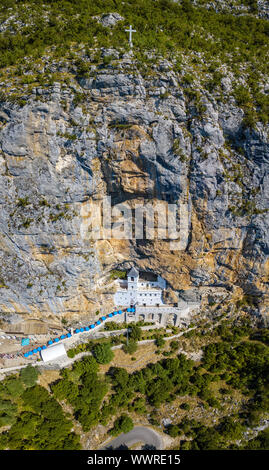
[[148, 436]]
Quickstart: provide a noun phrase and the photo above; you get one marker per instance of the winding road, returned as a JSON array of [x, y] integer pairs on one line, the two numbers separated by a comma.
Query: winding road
[[148, 436]]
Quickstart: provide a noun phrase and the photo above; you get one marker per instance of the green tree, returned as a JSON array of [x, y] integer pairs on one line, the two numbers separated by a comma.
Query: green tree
[[160, 342], [35, 396], [29, 375], [174, 430], [14, 387], [102, 353], [174, 345], [122, 424], [231, 429], [130, 347], [135, 333]]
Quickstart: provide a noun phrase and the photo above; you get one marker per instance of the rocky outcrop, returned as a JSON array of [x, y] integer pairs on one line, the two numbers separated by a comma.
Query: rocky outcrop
[[259, 8], [139, 139]]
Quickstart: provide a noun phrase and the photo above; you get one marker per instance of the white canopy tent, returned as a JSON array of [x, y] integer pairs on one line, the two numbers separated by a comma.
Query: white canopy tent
[[53, 352]]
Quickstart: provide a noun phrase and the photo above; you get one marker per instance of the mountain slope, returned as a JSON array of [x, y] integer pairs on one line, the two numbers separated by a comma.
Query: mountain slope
[[184, 117]]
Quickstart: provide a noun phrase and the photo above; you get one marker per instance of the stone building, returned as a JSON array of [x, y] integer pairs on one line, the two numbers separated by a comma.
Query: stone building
[[141, 288]]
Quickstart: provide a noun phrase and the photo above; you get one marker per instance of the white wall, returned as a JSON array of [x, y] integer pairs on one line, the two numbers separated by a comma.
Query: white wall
[[148, 297], [53, 352], [140, 292]]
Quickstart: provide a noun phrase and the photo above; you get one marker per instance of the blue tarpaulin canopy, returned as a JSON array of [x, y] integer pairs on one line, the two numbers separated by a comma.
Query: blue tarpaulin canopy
[[25, 341], [68, 335], [44, 347], [81, 329], [56, 340], [50, 342], [103, 318], [92, 326], [30, 353], [35, 351], [98, 322], [87, 328], [39, 348], [77, 330], [120, 312], [110, 315], [26, 354], [63, 336]]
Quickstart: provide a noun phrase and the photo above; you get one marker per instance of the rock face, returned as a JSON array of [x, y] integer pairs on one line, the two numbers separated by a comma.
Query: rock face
[[137, 139], [110, 19], [259, 8]]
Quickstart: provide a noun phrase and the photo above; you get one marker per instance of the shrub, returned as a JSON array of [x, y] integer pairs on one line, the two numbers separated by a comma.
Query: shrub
[[29, 375], [160, 342], [122, 424], [102, 353], [135, 333], [130, 347], [15, 387], [185, 406]]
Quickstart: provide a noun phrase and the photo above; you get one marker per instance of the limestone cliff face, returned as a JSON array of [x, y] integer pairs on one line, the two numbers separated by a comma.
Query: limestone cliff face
[[139, 139]]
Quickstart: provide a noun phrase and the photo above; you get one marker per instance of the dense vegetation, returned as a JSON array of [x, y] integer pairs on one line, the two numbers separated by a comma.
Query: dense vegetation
[[162, 24], [235, 361], [238, 363], [84, 389], [170, 29], [34, 417]]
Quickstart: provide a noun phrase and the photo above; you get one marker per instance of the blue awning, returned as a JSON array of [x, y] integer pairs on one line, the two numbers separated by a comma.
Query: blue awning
[[56, 340], [63, 336], [77, 330], [26, 354], [30, 353], [115, 313], [92, 326], [39, 348], [119, 312], [44, 347], [110, 315], [103, 318], [87, 328], [98, 322], [50, 342], [69, 335], [35, 351]]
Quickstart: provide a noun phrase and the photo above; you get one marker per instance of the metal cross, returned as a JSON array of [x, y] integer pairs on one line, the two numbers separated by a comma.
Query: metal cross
[[130, 31]]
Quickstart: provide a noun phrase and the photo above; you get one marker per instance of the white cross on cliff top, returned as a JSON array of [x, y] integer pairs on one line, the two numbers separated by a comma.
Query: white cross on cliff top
[[130, 31]]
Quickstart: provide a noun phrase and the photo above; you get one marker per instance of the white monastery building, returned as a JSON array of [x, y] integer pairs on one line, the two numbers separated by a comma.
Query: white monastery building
[[141, 288]]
